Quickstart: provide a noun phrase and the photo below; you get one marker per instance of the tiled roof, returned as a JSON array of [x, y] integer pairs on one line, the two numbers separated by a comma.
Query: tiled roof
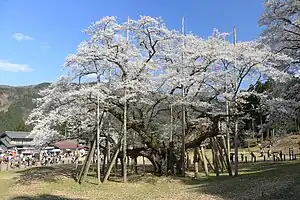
[[17, 134], [5, 143]]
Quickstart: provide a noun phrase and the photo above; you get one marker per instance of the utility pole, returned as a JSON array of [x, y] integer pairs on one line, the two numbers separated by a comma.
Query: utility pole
[[236, 150], [183, 111]]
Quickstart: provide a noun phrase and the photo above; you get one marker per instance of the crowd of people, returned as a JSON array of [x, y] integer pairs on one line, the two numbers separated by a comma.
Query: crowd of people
[[44, 158]]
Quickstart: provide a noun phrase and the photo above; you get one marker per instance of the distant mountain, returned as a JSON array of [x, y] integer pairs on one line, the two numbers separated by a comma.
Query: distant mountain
[[16, 104]]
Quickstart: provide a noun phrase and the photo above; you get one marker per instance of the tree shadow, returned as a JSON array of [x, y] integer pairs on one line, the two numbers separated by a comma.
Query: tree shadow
[[43, 197], [259, 182], [45, 173]]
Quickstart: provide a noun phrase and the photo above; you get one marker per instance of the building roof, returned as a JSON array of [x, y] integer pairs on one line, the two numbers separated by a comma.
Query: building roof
[[68, 144], [3, 148], [17, 134]]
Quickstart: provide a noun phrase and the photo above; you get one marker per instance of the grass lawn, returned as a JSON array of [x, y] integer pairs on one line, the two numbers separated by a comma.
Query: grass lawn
[[256, 181]]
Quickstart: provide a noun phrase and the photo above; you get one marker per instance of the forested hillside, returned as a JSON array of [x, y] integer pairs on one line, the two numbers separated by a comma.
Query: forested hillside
[[16, 104]]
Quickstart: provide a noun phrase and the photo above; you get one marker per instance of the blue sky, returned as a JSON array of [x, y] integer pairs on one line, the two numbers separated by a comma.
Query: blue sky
[[36, 35]]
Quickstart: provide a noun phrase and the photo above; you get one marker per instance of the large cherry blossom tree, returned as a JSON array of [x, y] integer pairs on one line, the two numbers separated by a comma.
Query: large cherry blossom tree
[[151, 64]]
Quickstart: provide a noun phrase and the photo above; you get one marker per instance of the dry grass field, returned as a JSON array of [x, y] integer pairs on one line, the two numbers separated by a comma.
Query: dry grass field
[[260, 180]]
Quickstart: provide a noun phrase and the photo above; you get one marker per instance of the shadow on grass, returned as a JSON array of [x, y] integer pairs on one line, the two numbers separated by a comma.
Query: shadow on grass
[[45, 173], [42, 197], [256, 181]]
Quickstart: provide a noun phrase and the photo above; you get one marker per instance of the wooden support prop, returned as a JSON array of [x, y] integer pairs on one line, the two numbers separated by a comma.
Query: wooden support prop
[[116, 167], [85, 161], [210, 164], [187, 161], [135, 168], [215, 156], [113, 160], [226, 157], [218, 164], [221, 160], [196, 163], [202, 158], [204, 161], [88, 163], [144, 166]]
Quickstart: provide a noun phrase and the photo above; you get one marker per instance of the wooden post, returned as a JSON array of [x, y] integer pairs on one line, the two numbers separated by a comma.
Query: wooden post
[[116, 167], [144, 166], [88, 162], [187, 161], [196, 163], [221, 160], [264, 158], [215, 157], [210, 164], [246, 159], [202, 153], [114, 159], [204, 161], [227, 157], [284, 157]]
